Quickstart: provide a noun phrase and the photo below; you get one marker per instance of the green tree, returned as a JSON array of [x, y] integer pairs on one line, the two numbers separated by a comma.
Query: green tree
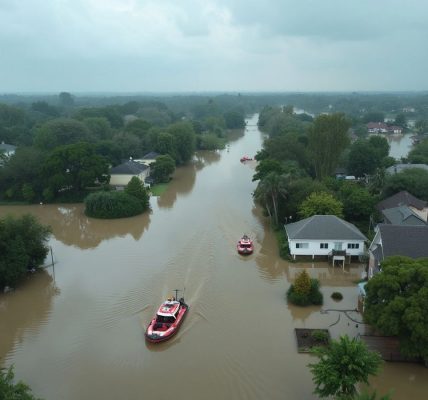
[[413, 180], [136, 188], [421, 125], [363, 158], [321, 204], [302, 284], [328, 138], [234, 120], [59, 132], [66, 99], [162, 168], [9, 390], [74, 167], [374, 116], [341, 366], [99, 128], [396, 303], [267, 166], [185, 141], [419, 153], [357, 201], [381, 146], [139, 127], [400, 119], [23, 243], [268, 191], [112, 204]]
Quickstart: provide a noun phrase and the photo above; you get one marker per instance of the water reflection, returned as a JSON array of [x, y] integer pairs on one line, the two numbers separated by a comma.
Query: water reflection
[[25, 310], [72, 227]]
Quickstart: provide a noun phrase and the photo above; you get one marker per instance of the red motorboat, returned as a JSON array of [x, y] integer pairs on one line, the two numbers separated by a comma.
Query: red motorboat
[[245, 245], [245, 158], [167, 321]]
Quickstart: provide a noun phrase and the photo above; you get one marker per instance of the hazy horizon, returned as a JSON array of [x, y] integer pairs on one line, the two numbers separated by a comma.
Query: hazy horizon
[[213, 46]]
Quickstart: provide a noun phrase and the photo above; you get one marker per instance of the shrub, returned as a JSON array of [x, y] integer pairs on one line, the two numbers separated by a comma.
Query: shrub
[[337, 296], [112, 205], [314, 296], [136, 188], [302, 284], [320, 336]]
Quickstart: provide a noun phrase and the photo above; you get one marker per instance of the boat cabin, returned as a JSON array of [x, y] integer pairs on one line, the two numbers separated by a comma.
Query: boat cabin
[[168, 311]]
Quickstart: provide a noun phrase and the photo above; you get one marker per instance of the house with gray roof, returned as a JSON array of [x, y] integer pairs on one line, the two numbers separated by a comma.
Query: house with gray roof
[[324, 235], [149, 158], [7, 149], [402, 215], [397, 168], [123, 173], [397, 240], [405, 198]]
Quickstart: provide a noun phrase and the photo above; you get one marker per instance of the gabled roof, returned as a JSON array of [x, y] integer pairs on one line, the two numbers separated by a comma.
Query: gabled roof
[[151, 156], [404, 240], [402, 215], [7, 147], [397, 168], [399, 199], [128, 168], [323, 227]]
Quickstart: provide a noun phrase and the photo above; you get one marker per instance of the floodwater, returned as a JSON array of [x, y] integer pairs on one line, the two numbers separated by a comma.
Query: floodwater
[[77, 331], [400, 144]]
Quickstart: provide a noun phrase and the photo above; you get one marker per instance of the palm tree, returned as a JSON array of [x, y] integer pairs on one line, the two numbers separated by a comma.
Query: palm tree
[[268, 191]]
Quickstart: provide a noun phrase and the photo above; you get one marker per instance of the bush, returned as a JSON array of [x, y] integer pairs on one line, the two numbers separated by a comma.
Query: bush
[[314, 296], [284, 250], [112, 205], [337, 296], [320, 336], [136, 188]]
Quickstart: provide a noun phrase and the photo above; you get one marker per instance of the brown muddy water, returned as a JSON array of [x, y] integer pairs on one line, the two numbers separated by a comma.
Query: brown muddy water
[[77, 332]]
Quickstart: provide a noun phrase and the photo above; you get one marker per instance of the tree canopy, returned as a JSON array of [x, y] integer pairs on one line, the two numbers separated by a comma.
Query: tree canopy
[[162, 168], [321, 204], [9, 390], [23, 245], [341, 366], [396, 303]]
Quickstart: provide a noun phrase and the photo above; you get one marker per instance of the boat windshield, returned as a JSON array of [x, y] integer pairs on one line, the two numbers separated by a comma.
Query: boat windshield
[[163, 319], [246, 245]]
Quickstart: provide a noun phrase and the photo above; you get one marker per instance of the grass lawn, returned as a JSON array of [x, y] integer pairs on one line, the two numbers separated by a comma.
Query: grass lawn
[[158, 189]]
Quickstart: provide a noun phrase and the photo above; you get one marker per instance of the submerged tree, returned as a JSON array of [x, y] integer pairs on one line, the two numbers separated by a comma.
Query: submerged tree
[[341, 366], [13, 391]]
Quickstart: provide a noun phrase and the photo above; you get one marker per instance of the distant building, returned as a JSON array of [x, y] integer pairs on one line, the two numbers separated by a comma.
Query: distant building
[[7, 149], [148, 158], [381, 127], [404, 198], [395, 169]]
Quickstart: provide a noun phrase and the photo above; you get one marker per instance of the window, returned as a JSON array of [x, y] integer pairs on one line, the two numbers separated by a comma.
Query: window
[[302, 245], [337, 245], [323, 245], [353, 245]]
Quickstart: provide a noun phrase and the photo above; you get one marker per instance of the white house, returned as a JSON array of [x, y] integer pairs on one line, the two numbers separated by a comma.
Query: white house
[[325, 235], [123, 173]]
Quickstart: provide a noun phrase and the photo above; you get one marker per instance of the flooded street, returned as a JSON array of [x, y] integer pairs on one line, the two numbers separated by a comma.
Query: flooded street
[[77, 332]]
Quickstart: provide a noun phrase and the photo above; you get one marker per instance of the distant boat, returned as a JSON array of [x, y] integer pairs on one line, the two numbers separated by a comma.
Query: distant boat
[[245, 245], [245, 158], [167, 320]]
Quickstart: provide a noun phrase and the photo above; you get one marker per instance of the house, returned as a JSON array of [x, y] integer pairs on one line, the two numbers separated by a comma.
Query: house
[[403, 198], [381, 127], [395, 169], [397, 240], [122, 174], [7, 149], [325, 235], [149, 158], [402, 215]]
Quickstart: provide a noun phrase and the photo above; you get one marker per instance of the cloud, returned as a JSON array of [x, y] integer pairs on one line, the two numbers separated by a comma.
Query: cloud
[[212, 45]]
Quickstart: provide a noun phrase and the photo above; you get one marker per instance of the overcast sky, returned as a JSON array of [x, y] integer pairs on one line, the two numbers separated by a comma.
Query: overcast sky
[[213, 45]]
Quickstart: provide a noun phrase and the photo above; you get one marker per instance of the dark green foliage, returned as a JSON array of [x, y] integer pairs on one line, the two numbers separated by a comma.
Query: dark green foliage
[[337, 296], [357, 201], [162, 168], [185, 141], [321, 204], [320, 336], [396, 303], [209, 141], [314, 296], [265, 167], [234, 120], [374, 116], [9, 390], [413, 180], [23, 244], [109, 205], [74, 167], [137, 189], [419, 154], [341, 366], [59, 132], [328, 138]]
